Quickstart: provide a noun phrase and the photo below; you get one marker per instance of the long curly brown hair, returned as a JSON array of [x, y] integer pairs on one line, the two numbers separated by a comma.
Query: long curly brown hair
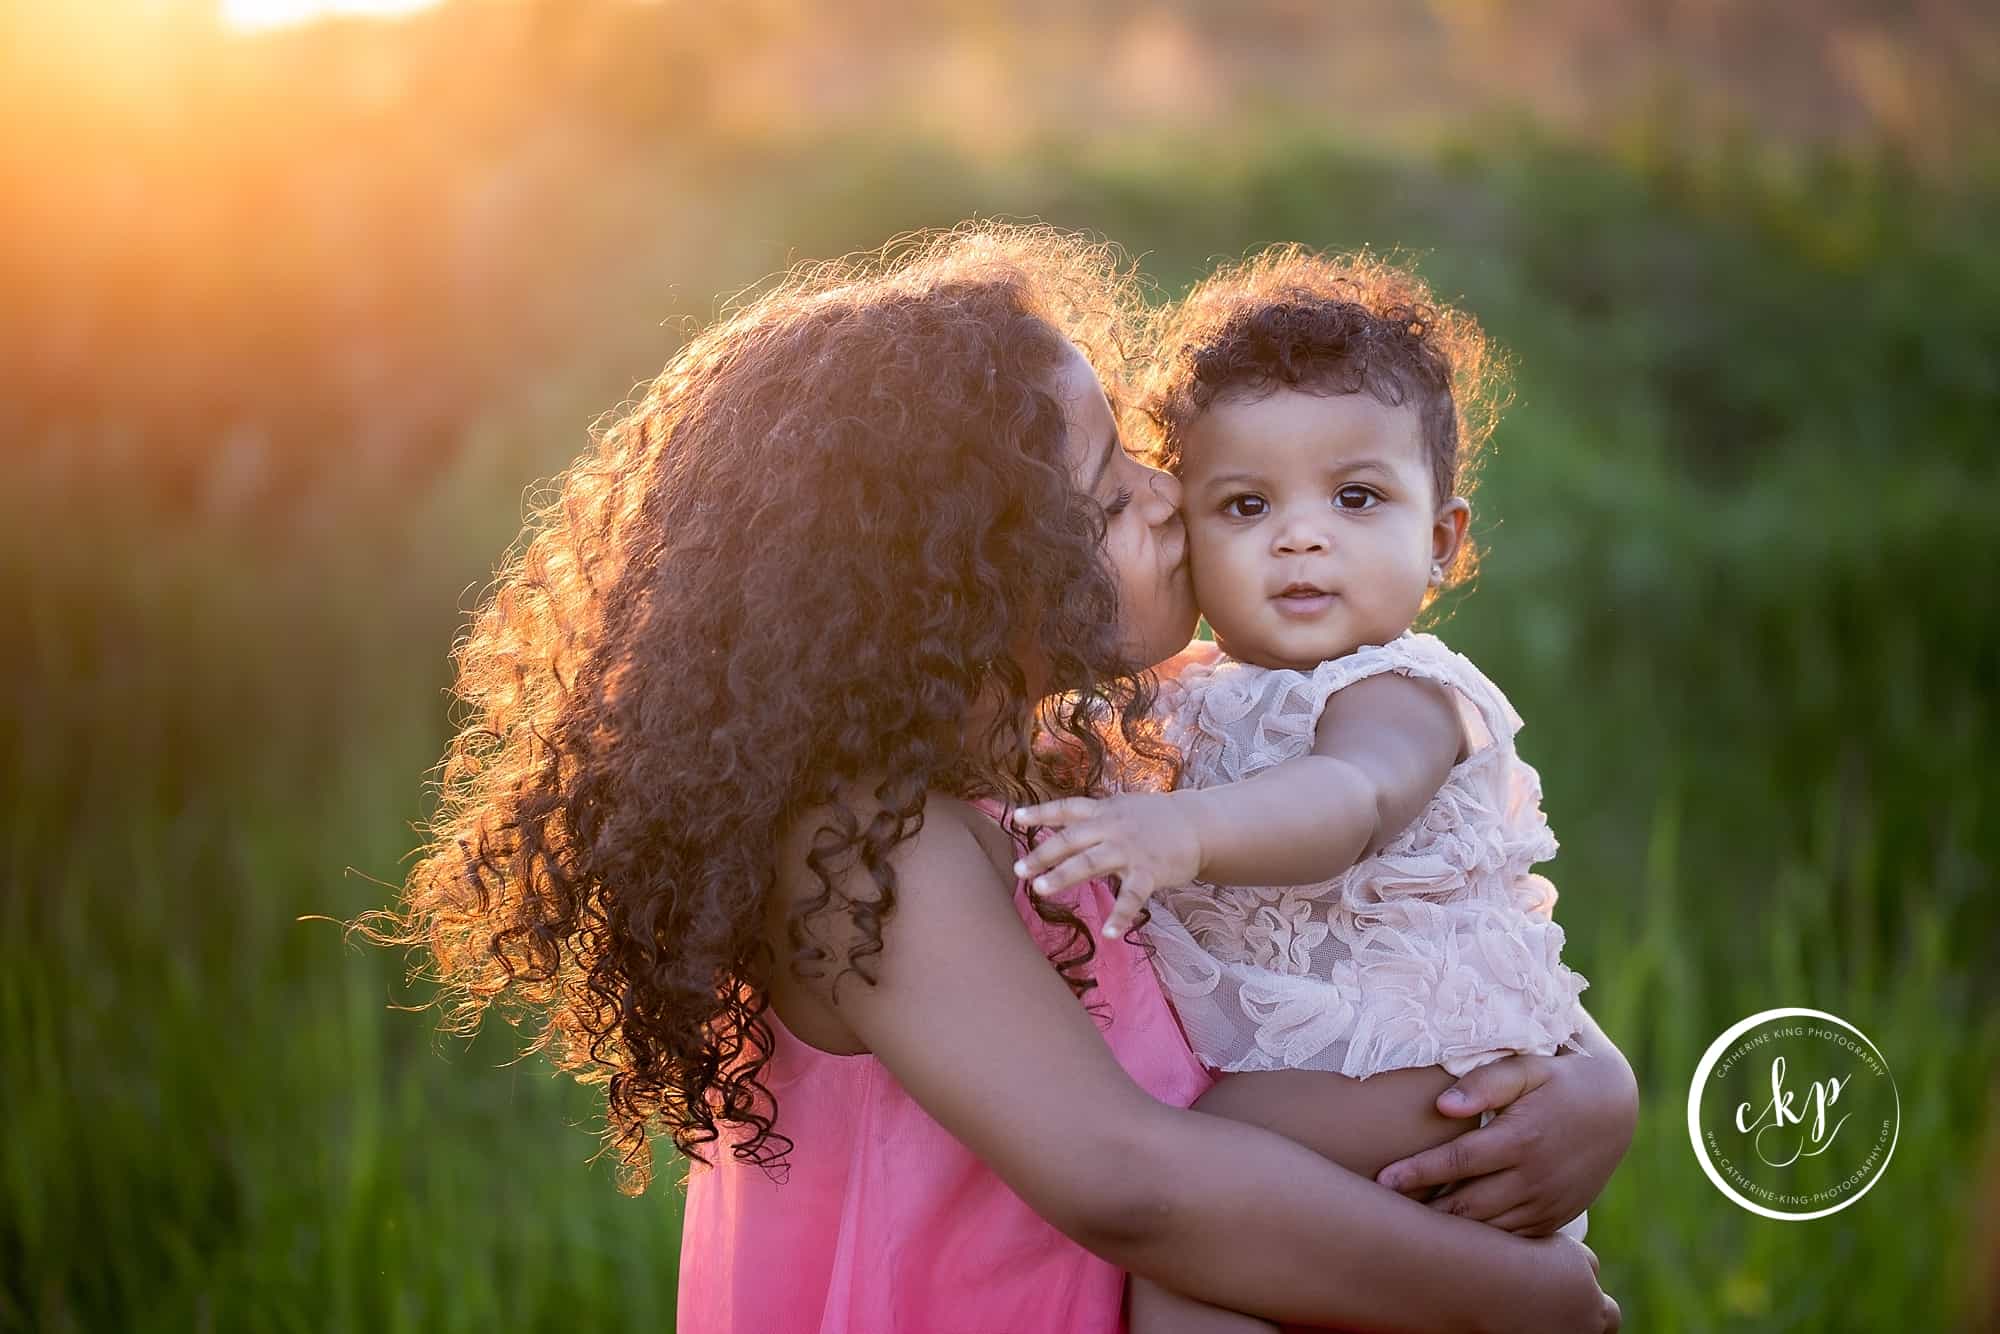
[[814, 552], [1291, 317]]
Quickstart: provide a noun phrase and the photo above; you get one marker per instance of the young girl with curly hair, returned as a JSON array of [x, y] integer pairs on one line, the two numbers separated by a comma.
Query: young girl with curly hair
[[1347, 920], [725, 823]]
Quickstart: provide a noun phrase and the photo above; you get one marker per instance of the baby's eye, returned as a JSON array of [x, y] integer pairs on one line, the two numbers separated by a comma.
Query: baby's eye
[[1355, 498], [1117, 506], [1244, 506]]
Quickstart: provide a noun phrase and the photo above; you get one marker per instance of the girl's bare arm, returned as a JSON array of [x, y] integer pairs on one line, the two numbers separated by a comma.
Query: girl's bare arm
[[1233, 1214]]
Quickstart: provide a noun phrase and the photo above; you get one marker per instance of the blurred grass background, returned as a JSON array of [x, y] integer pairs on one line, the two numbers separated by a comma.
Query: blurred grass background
[[295, 312]]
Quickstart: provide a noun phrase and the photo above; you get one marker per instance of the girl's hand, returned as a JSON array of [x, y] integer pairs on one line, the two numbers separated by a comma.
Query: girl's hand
[[1594, 1308], [1563, 1124], [1144, 839]]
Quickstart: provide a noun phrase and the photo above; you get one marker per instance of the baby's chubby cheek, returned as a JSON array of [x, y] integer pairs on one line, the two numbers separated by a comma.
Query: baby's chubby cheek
[[1220, 595]]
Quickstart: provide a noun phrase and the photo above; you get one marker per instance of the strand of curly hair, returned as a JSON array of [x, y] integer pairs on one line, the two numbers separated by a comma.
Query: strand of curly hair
[[799, 561]]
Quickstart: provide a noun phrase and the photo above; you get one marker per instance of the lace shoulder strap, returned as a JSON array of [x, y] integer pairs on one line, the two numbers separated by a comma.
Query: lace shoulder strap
[[1232, 719], [1487, 715]]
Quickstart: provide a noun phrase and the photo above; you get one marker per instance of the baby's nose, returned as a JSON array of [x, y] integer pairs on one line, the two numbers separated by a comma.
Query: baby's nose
[[1299, 538]]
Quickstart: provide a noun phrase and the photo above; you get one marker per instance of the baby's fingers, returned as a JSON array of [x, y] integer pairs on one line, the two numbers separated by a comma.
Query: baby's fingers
[[1089, 864], [1133, 891], [1053, 851], [1066, 811]]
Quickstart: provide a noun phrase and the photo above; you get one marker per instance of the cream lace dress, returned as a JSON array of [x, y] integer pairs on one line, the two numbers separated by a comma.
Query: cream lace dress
[[1439, 950]]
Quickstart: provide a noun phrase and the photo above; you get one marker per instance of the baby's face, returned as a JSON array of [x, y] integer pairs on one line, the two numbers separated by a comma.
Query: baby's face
[[1311, 526]]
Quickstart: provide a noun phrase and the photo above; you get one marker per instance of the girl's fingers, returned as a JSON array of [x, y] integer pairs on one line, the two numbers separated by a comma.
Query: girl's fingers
[[1493, 1147], [1483, 1199], [1493, 1086], [1524, 1221]]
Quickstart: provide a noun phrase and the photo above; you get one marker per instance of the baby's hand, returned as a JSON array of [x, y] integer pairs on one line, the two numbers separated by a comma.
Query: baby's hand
[[1147, 840]]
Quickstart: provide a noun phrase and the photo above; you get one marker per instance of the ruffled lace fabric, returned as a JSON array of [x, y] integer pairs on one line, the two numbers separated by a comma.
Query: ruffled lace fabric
[[1439, 950]]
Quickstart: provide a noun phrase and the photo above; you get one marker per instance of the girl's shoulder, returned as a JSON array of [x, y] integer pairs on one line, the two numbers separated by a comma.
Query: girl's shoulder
[[959, 850], [958, 844]]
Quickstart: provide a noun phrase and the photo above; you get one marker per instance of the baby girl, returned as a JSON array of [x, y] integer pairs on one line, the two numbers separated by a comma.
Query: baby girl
[[1345, 915]]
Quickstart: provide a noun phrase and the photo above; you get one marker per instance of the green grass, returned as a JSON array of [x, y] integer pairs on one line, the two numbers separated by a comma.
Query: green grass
[[1739, 586]]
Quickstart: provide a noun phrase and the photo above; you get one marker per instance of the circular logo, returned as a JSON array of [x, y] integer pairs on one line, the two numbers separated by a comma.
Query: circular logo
[[1793, 1114]]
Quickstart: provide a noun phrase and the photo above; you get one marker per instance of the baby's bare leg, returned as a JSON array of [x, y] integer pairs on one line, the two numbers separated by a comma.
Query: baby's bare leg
[[1362, 1124]]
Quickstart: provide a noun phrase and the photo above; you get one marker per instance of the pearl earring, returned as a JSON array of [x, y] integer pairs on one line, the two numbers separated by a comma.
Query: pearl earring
[[1437, 573]]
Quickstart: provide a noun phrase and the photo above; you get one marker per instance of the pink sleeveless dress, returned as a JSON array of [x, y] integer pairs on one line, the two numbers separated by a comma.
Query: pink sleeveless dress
[[886, 1224]]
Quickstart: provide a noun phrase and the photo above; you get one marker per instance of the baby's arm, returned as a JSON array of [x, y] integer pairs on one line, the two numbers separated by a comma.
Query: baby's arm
[[1382, 749]]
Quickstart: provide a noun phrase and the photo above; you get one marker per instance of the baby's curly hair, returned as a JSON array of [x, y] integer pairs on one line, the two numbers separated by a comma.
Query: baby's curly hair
[[1290, 317], [815, 544]]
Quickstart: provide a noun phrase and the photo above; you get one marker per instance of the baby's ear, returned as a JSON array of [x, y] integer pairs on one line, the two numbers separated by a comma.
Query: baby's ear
[[1448, 531]]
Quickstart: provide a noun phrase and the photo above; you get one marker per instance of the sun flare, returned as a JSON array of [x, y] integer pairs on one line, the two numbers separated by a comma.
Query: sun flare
[[253, 15]]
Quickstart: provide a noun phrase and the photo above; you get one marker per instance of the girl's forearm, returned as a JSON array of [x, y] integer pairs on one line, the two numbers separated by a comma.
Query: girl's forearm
[[1248, 1220], [1297, 823]]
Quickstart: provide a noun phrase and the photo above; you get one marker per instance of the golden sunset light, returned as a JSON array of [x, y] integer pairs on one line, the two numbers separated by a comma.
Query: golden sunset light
[[601, 594], [255, 15]]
